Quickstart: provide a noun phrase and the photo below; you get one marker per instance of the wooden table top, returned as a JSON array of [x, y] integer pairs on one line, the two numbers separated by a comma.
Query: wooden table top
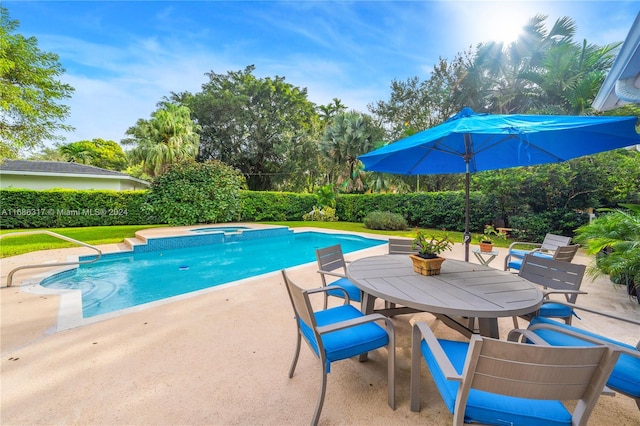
[[461, 289]]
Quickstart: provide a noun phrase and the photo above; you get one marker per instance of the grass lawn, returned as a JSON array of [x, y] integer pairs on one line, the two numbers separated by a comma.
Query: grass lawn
[[14, 245]]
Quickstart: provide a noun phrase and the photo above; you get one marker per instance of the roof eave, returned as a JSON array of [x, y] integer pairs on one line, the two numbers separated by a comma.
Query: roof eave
[[607, 98]]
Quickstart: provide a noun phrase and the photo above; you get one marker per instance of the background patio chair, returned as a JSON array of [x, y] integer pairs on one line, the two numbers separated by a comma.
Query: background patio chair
[[492, 381], [548, 246], [625, 377], [339, 333], [562, 253], [555, 277], [331, 263], [401, 246]]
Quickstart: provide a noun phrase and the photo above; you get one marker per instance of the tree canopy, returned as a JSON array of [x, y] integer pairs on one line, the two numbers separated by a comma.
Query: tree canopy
[[258, 125], [169, 137], [29, 91], [96, 152]]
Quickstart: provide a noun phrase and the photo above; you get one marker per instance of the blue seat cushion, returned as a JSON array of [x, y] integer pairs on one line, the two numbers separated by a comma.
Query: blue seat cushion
[[519, 253], [517, 256], [625, 377], [354, 292], [555, 310], [486, 407], [348, 342], [515, 264]]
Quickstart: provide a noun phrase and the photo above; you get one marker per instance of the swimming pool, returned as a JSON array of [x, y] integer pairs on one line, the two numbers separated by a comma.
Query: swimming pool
[[122, 280], [220, 229]]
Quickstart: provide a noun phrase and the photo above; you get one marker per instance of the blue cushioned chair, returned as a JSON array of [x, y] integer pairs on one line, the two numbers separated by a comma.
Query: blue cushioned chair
[[547, 248], [496, 382], [339, 333], [555, 277], [625, 377], [331, 263]]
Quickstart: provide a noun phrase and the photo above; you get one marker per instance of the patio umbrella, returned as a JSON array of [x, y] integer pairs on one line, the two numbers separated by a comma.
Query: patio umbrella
[[470, 142]]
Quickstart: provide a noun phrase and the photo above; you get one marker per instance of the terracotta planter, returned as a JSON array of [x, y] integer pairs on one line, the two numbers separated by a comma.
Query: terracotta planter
[[427, 266], [486, 247]]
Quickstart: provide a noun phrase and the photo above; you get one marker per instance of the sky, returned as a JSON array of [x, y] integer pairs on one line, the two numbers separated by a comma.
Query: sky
[[123, 57]]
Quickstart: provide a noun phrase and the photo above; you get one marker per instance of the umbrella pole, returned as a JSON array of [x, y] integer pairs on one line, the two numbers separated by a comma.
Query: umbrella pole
[[467, 234]]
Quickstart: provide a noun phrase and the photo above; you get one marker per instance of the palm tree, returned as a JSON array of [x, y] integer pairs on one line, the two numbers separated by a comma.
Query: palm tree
[[327, 112], [544, 71], [170, 136], [570, 75], [614, 238], [348, 136], [76, 153]]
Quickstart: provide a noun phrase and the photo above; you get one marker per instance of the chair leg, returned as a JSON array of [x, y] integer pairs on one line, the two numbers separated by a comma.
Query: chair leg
[[515, 322], [295, 357], [416, 362], [316, 414], [391, 370]]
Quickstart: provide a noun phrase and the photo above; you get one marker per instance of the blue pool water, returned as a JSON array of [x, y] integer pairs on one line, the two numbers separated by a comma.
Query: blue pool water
[[122, 280]]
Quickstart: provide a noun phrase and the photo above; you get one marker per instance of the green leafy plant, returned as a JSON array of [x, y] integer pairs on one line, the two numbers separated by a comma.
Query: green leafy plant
[[614, 238], [385, 221], [490, 234], [326, 214], [430, 245], [326, 196]]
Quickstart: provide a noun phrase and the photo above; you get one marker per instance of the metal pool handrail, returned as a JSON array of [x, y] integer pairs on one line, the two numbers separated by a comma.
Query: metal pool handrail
[[48, 265]]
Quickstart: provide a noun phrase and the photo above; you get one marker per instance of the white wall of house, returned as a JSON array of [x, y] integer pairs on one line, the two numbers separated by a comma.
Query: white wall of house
[[68, 182]]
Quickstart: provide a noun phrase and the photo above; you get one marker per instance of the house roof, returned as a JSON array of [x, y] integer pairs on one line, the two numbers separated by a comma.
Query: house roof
[[622, 84], [57, 168]]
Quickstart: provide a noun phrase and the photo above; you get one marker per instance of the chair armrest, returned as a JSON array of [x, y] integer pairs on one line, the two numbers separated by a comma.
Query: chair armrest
[[585, 337], [334, 274], [517, 334], [523, 243], [332, 288], [354, 322], [547, 292], [421, 331], [604, 314]]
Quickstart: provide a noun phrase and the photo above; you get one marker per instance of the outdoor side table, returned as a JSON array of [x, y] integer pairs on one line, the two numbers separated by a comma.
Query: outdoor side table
[[485, 257]]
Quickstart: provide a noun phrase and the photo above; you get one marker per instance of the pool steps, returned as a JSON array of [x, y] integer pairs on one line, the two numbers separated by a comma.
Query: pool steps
[[142, 244]]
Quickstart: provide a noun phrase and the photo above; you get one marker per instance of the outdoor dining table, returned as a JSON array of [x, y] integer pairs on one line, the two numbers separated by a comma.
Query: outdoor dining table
[[461, 292]]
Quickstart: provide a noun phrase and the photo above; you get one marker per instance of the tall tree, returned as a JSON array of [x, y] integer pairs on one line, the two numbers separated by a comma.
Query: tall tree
[[543, 71], [255, 125], [29, 91], [350, 134], [96, 152], [169, 137], [327, 112]]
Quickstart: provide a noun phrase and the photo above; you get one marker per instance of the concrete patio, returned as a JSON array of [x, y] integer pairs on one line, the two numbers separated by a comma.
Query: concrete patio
[[222, 358]]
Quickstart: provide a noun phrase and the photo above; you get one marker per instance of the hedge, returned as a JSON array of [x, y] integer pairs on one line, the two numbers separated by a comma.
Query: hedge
[[274, 206], [21, 208], [59, 208]]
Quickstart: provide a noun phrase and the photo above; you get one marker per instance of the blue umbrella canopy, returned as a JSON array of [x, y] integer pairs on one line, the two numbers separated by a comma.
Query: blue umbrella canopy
[[471, 142]]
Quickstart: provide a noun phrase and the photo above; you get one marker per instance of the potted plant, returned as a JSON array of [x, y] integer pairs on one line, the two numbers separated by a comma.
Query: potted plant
[[487, 237], [427, 261]]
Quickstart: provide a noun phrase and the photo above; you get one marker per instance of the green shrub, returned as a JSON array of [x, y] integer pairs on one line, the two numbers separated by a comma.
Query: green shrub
[[386, 221], [190, 193], [325, 214]]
